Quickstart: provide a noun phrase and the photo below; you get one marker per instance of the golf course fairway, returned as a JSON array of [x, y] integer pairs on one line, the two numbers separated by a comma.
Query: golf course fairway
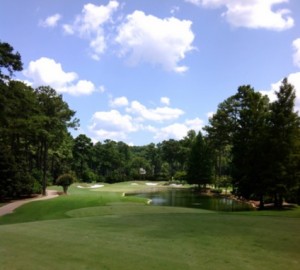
[[101, 229]]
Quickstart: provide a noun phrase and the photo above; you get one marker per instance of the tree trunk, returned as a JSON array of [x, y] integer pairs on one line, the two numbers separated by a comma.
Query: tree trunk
[[45, 163], [280, 201], [275, 200], [261, 202], [65, 188]]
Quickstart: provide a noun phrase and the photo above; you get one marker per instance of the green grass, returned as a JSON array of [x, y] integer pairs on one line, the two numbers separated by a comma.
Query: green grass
[[103, 230]]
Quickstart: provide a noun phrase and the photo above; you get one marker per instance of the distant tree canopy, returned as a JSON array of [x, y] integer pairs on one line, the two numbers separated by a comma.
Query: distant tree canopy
[[250, 144]]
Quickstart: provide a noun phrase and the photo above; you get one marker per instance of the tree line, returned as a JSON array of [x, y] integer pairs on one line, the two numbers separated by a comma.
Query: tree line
[[250, 144]]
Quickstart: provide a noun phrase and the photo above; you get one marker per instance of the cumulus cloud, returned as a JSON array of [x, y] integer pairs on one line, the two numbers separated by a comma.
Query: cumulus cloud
[[46, 71], [252, 13], [111, 125], [90, 25], [158, 114], [119, 102], [136, 117], [51, 21], [296, 56], [177, 131], [149, 39]]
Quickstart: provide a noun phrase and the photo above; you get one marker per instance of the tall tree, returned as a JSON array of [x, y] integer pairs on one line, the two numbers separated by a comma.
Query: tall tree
[[82, 152], [284, 138], [54, 120], [249, 150], [220, 131], [17, 133], [170, 150], [199, 169]]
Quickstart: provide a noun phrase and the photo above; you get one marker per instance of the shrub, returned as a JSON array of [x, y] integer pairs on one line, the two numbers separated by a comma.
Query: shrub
[[216, 191], [65, 180], [180, 175]]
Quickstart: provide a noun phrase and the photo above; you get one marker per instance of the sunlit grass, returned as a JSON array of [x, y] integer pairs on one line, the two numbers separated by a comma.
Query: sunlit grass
[[101, 229]]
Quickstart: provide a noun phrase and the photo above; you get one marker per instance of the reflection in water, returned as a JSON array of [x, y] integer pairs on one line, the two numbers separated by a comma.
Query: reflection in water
[[183, 198]]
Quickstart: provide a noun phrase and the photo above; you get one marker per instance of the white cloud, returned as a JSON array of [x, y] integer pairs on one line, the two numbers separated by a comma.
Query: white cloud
[[51, 21], [177, 131], [46, 71], [112, 125], [158, 114], [90, 25], [149, 39], [296, 56], [207, 3], [119, 102], [165, 100], [118, 126], [195, 124], [252, 13], [82, 87]]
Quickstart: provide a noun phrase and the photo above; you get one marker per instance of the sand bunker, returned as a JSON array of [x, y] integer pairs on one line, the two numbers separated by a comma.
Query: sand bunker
[[176, 185], [151, 184], [94, 186]]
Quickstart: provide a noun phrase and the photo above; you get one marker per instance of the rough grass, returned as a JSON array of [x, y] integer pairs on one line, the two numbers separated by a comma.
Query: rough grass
[[103, 230]]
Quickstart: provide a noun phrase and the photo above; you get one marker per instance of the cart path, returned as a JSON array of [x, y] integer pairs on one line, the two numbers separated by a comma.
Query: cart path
[[10, 207]]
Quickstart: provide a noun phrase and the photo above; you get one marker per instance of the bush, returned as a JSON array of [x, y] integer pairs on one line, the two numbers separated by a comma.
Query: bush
[[180, 175], [88, 176], [65, 180], [216, 191]]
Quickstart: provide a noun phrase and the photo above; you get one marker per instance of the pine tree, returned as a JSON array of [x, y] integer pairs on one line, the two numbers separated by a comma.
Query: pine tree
[[284, 135], [199, 169]]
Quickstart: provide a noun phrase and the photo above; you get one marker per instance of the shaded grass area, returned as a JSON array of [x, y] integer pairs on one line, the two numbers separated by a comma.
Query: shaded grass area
[[103, 230], [158, 239]]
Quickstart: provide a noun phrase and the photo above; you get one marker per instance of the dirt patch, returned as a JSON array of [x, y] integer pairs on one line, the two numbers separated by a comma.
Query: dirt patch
[[10, 207]]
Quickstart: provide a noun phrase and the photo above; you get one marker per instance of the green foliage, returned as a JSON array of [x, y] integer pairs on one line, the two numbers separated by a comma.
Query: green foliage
[[257, 144], [33, 131], [180, 175], [199, 169], [65, 180], [9, 60], [284, 141]]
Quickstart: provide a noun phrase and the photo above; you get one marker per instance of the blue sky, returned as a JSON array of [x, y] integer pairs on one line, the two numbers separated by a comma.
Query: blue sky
[[143, 71]]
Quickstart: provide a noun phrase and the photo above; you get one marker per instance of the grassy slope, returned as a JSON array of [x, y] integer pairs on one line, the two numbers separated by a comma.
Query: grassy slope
[[102, 230]]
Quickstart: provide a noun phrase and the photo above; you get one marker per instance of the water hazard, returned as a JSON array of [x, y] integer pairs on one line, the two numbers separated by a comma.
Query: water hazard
[[183, 198]]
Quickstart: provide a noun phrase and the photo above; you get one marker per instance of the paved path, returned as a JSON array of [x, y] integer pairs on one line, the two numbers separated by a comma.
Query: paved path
[[10, 207]]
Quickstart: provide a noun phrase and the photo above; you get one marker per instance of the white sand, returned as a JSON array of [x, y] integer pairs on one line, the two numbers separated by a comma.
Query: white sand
[[94, 186], [176, 185], [97, 186], [151, 184]]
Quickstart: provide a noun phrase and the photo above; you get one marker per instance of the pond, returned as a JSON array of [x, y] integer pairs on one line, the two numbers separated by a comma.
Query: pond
[[184, 198]]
